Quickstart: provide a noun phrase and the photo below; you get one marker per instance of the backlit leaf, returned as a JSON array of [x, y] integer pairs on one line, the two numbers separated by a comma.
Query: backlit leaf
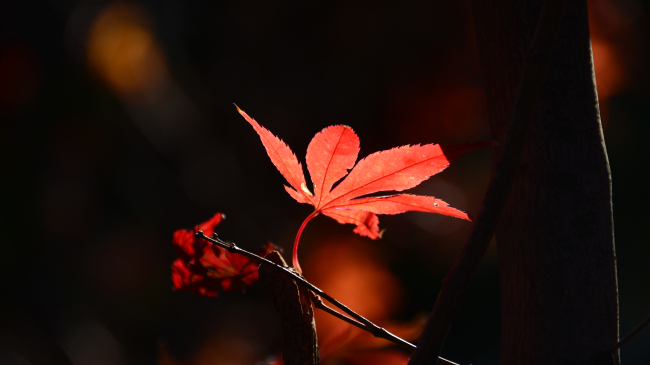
[[333, 151]]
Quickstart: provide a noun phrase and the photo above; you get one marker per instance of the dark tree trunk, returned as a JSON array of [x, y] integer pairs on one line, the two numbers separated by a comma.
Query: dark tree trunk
[[293, 302], [555, 238]]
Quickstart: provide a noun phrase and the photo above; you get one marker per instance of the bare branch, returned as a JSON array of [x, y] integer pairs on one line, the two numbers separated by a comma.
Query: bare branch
[[454, 288], [318, 303], [356, 320]]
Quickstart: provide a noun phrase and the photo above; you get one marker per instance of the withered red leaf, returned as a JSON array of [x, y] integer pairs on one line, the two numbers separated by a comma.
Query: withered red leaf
[[208, 269]]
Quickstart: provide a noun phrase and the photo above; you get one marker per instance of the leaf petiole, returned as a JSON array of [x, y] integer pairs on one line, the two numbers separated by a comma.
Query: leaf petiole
[[294, 257]]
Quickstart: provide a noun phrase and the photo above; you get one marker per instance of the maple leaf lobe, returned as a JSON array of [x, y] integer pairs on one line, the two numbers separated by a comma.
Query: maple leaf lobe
[[330, 154], [280, 154], [397, 169]]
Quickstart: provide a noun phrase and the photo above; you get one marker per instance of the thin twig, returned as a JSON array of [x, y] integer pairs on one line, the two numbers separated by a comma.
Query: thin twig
[[374, 329], [318, 303], [455, 286], [407, 346], [356, 320], [629, 336]]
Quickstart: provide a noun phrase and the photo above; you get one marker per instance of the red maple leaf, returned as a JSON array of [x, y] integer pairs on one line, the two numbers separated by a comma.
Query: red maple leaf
[[207, 269], [333, 151]]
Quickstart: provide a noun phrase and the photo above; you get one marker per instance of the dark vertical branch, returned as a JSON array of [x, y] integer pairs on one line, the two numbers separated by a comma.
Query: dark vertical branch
[[555, 238], [299, 342], [455, 286]]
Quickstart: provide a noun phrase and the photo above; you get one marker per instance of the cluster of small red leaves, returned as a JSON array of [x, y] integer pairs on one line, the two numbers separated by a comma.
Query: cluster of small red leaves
[[207, 269]]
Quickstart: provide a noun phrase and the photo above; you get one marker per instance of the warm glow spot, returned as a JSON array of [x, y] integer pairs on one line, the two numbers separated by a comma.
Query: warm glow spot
[[220, 350], [609, 73], [123, 51], [615, 28], [349, 270]]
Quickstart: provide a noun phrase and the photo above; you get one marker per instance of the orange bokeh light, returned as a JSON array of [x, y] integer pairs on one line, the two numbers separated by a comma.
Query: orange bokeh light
[[607, 67], [122, 50], [349, 269]]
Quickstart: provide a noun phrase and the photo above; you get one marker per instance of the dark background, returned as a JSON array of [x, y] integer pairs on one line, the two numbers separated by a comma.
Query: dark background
[[117, 128]]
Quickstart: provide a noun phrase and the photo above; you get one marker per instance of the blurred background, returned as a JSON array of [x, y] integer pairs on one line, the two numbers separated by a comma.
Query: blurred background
[[117, 127]]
